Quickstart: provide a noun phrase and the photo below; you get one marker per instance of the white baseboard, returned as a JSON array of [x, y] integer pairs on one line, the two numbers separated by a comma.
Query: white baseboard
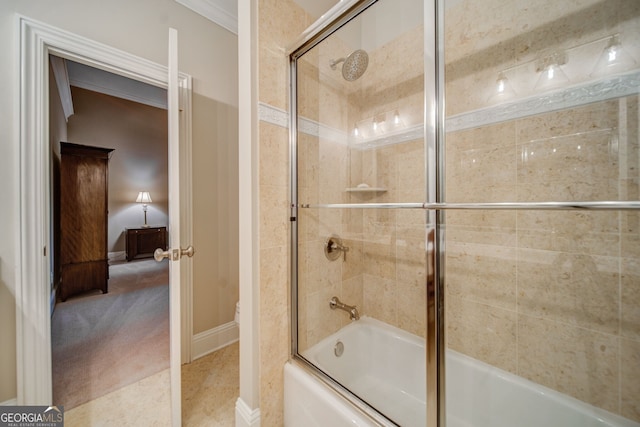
[[245, 416], [10, 402], [117, 256], [214, 339]]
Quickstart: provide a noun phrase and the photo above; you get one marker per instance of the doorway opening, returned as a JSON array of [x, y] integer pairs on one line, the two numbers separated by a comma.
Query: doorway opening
[[103, 341], [33, 296]]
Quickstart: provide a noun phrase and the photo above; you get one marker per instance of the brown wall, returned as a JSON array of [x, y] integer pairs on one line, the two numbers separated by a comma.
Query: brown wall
[[138, 135], [57, 133]]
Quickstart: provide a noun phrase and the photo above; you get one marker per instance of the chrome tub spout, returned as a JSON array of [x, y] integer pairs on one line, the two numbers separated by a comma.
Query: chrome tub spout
[[351, 309]]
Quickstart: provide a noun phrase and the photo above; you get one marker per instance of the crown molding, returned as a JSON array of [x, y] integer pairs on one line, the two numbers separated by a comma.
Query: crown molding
[[215, 11]]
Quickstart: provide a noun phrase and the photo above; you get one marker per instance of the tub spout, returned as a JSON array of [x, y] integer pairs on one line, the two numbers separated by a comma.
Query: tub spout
[[351, 309]]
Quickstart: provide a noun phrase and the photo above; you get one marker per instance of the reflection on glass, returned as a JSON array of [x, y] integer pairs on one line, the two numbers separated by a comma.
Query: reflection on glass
[[503, 90], [551, 74], [614, 59]]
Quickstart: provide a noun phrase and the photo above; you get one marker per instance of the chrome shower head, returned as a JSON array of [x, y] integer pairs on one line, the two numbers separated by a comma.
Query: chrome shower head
[[354, 65]]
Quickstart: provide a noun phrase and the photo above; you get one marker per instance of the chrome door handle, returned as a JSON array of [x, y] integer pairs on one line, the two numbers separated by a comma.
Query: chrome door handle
[[173, 254]]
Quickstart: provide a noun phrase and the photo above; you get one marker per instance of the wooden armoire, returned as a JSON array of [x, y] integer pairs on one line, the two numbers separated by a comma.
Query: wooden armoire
[[84, 179]]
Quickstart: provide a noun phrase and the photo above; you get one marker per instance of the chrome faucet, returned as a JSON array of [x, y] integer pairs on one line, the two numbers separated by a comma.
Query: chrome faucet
[[351, 309]]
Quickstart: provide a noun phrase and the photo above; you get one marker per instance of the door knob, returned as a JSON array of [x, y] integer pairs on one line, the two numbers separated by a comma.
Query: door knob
[[173, 254], [159, 254], [188, 252]]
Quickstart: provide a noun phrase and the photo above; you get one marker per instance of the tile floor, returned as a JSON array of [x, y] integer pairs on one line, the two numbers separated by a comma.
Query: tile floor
[[210, 388]]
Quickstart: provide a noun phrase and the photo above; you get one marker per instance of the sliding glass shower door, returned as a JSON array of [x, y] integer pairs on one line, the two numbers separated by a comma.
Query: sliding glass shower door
[[466, 177], [359, 267], [542, 305]]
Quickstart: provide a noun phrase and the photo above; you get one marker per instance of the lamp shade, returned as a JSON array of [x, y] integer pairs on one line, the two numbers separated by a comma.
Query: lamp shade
[[143, 197]]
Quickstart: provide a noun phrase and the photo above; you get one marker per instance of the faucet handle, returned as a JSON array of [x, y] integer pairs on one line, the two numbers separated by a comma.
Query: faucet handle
[[333, 247], [343, 249]]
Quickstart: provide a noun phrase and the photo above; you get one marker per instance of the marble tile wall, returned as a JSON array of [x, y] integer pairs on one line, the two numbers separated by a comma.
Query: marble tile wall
[[483, 38], [280, 22], [322, 171], [394, 81], [384, 271], [550, 296]]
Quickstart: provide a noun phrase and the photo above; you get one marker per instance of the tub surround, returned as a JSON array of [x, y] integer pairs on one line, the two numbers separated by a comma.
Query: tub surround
[[279, 24], [500, 304]]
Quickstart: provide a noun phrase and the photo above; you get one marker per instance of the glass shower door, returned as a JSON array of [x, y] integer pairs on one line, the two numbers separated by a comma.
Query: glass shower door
[[543, 299], [359, 272]]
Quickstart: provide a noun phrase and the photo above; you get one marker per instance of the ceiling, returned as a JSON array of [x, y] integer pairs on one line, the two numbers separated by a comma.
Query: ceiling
[[86, 77], [225, 12]]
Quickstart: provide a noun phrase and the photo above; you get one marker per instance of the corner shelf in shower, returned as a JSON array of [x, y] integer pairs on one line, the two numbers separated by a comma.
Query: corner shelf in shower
[[366, 190]]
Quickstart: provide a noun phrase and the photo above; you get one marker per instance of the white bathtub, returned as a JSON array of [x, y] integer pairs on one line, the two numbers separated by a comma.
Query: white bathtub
[[385, 366]]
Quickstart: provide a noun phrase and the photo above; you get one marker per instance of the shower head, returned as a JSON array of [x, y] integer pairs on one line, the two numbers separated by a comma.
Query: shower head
[[354, 65]]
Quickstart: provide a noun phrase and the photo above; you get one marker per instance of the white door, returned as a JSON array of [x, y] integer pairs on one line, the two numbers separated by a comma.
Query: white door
[[175, 251], [33, 326]]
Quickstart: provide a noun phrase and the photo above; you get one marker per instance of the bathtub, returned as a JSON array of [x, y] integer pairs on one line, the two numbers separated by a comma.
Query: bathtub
[[385, 366]]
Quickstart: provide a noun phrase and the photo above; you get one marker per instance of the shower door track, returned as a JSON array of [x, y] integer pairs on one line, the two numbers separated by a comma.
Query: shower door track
[[567, 206]]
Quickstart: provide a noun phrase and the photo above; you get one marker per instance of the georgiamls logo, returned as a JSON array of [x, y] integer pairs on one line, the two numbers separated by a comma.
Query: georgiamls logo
[[31, 416]]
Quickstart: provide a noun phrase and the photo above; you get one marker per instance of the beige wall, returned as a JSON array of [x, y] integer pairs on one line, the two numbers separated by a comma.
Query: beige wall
[[215, 212], [207, 52], [550, 296]]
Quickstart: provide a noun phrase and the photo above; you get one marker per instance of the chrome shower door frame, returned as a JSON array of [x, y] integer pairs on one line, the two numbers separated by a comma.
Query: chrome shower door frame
[[433, 123]]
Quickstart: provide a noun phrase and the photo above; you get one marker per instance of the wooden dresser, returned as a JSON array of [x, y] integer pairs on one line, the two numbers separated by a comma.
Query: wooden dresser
[[142, 242], [84, 179]]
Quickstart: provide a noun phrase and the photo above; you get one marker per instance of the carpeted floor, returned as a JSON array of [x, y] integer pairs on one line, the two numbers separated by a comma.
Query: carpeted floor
[[101, 343]]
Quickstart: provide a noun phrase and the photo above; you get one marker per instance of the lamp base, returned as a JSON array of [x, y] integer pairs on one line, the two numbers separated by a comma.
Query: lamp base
[[145, 226], [144, 208]]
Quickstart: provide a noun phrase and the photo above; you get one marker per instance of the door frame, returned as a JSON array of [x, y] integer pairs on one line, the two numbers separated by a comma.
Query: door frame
[[33, 293]]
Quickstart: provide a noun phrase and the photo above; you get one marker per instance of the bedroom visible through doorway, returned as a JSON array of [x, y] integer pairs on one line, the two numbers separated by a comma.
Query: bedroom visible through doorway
[[101, 342]]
